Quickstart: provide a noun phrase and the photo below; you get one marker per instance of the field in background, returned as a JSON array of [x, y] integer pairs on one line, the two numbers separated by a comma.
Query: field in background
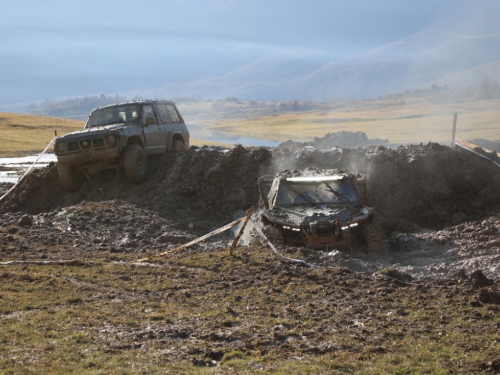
[[401, 122], [28, 135]]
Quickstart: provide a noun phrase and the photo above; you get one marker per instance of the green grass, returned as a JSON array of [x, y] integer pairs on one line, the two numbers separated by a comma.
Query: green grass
[[253, 314]]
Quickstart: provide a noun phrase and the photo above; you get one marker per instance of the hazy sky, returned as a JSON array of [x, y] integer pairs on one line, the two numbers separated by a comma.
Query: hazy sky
[[57, 48]]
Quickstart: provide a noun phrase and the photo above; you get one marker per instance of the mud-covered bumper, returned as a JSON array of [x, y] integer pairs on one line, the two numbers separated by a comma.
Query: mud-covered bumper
[[89, 155]]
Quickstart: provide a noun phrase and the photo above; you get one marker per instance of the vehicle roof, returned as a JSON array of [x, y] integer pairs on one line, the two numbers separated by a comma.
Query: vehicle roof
[[138, 102], [312, 174], [315, 178]]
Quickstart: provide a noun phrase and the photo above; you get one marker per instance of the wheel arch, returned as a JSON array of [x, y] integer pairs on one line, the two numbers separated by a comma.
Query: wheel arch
[[135, 140], [179, 137]]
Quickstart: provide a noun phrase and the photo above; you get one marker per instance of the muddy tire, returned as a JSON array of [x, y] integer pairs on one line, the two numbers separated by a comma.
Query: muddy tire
[[179, 146], [272, 233], [135, 163], [70, 180], [375, 238]]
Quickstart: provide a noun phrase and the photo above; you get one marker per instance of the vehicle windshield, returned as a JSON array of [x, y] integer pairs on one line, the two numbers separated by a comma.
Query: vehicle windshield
[[113, 115], [316, 192]]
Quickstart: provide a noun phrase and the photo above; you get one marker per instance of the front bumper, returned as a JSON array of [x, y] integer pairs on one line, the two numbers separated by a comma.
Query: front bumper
[[86, 156]]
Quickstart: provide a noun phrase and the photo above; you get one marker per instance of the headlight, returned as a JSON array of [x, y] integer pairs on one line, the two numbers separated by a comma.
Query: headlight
[[111, 140], [61, 146]]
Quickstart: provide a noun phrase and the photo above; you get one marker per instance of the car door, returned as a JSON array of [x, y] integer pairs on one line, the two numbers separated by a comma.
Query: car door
[[165, 122], [154, 133]]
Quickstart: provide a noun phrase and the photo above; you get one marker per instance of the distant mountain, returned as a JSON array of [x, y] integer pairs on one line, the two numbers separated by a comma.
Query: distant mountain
[[259, 80], [416, 61]]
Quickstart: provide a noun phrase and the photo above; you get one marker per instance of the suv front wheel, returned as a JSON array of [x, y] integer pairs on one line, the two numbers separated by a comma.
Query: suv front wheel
[[70, 180], [135, 163]]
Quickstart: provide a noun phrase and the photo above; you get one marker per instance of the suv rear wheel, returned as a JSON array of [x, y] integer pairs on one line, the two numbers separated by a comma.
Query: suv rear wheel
[[179, 146], [135, 163]]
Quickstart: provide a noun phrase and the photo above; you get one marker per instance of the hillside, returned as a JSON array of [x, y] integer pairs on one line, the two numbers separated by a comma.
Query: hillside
[[416, 61]]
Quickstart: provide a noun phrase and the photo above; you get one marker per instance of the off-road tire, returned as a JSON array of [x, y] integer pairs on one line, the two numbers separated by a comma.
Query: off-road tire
[[179, 146], [272, 233], [70, 180], [375, 238], [135, 163]]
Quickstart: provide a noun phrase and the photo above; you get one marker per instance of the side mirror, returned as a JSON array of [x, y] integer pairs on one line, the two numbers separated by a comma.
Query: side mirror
[[150, 121]]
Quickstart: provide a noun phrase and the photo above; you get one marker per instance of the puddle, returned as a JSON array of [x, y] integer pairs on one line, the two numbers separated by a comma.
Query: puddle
[[202, 132], [11, 169]]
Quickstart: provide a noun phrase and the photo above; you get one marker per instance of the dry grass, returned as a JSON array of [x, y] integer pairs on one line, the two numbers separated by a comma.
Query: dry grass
[[414, 121], [26, 134], [411, 121]]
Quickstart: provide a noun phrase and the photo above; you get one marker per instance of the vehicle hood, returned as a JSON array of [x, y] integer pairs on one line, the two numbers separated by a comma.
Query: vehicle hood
[[303, 215], [96, 131]]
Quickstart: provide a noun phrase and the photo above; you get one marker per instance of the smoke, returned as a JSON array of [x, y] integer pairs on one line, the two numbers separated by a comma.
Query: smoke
[[333, 151]]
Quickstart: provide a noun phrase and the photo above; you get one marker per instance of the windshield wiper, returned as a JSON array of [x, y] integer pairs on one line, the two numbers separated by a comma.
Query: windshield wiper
[[338, 194]]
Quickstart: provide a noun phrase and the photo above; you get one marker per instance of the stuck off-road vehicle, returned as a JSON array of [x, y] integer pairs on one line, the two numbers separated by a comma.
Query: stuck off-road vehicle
[[120, 135], [321, 209]]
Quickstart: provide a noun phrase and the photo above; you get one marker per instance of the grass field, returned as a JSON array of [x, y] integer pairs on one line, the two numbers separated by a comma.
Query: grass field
[[413, 121], [27, 135], [400, 122], [251, 313]]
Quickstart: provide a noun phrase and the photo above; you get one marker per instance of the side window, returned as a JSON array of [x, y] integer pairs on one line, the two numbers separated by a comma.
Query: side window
[[164, 116], [148, 113], [173, 113]]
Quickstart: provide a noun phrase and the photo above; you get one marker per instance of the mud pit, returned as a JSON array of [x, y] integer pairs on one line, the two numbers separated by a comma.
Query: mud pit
[[434, 296], [440, 207]]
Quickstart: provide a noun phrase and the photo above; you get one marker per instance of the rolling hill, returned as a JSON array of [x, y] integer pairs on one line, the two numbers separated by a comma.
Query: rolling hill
[[416, 61]]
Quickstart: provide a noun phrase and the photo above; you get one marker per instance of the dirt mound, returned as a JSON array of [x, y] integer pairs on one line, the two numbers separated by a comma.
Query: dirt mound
[[425, 185], [429, 185], [432, 186], [199, 184]]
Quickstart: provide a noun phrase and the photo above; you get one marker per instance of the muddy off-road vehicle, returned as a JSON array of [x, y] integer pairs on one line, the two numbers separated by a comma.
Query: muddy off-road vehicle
[[120, 135], [320, 209]]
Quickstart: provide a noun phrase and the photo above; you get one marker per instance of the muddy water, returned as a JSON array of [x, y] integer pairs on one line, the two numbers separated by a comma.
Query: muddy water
[[11, 169], [203, 132]]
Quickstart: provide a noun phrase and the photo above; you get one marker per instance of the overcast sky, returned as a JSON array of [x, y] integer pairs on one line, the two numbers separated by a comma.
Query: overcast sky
[[57, 48]]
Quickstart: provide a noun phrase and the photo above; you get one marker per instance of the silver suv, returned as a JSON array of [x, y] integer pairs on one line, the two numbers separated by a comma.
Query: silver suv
[[120, 136]]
